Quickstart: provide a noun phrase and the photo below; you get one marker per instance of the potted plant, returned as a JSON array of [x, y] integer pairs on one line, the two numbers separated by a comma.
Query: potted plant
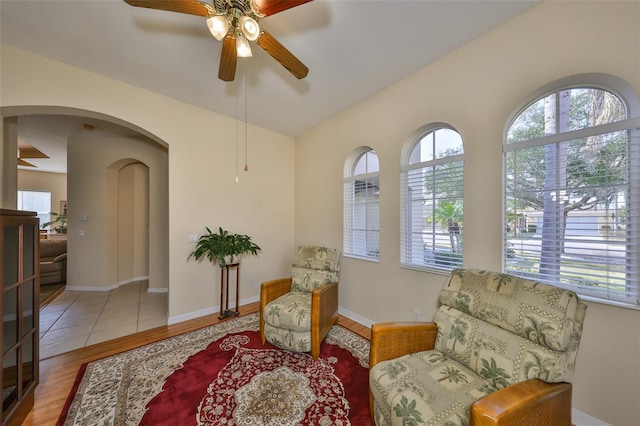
[[58, 222], [223, 247]]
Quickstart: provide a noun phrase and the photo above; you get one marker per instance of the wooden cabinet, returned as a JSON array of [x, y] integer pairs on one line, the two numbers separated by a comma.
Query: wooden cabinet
[[19, 304]]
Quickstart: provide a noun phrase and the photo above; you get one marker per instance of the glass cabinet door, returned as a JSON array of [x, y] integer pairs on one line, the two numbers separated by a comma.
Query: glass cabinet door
[[19, 248]]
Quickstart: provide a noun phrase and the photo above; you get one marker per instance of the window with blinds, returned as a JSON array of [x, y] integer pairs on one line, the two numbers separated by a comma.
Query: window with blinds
[[361, 232], [36, 201], [571, 194], [431, 183]]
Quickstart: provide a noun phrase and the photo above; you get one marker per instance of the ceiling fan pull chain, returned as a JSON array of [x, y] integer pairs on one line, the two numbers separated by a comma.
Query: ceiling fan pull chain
[[237, 116], [246, 137]]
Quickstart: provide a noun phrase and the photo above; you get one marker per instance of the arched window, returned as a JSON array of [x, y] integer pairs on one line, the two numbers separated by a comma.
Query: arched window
[[571, 186], [362, 205], [431, 182]]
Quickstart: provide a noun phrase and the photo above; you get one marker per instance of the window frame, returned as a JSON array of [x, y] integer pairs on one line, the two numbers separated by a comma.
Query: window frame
[[407, 255], [367, 248], [631, 124], [43, 216]]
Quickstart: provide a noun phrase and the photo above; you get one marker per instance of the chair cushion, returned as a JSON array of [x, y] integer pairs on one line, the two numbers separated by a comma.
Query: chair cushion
[[548, 315], [427, 388], [320, 258], [291, 311], [314, 266], [289, 340], [288, 321], [305, 280], [501, 357]]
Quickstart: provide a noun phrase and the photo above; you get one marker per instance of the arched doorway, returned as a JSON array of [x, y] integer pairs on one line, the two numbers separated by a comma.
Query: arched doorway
[[91, 217], [128, 192]]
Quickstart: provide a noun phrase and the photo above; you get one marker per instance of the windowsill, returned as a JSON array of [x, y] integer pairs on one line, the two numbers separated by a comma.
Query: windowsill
[[429, 269], [366, 259], [613, 303]]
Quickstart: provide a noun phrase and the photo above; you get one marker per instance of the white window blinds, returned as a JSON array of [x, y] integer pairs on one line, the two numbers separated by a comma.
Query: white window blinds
[[361, 233], [432, 218], [572, 177]]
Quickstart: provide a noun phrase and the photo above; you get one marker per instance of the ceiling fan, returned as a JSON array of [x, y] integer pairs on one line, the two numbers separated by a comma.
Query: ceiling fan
[[235, 23], [29, 152]]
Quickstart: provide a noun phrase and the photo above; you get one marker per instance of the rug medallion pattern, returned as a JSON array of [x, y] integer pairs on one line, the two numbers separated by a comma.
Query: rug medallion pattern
[[256, 387]]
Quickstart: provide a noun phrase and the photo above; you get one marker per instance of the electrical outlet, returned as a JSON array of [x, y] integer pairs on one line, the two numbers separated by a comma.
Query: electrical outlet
[[252, 283], [416, 315]]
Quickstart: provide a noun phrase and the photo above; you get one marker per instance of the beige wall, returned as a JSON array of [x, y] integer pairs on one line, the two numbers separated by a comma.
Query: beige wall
[[475, 89], [95, 259], [56, 183], [201, 178], [8, 158], [132, 225]]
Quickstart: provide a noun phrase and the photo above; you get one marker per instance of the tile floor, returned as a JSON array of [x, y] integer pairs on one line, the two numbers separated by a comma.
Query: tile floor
[[76, 319]]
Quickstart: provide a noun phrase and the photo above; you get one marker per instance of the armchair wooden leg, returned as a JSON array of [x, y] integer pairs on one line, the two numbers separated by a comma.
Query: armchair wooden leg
[[315, 351]]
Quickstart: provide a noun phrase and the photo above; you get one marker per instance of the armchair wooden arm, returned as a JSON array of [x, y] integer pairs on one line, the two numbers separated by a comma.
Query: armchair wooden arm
[[271, 290], [528, 403], [391, 340], [324, 314]]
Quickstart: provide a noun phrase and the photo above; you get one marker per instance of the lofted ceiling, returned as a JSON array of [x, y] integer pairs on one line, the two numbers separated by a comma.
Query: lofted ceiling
[[353, 48]]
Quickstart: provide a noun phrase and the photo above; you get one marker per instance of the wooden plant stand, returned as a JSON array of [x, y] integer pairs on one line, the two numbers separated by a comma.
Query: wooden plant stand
[[224, 290]]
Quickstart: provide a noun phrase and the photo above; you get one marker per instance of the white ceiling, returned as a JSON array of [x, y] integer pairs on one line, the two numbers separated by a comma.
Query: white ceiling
[[353, 48]]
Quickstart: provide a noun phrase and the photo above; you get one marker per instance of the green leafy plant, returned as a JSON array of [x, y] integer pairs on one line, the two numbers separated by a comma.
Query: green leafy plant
[[223, 247], [58, 222]]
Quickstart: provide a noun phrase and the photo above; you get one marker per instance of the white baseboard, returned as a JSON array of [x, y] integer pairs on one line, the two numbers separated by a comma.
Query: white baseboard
[[193, 315], [133, 280], [207, 311], [112, 287], [158, 290], [89, 288], [215, 309], [353, 316], [578, 418]]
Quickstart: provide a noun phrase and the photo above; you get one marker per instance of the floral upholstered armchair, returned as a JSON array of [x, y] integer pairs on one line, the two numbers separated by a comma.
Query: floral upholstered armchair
[[501, 351], [296, 313]]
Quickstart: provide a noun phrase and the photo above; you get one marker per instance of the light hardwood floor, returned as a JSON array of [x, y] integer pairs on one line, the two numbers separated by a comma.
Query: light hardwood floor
[[58, 374]]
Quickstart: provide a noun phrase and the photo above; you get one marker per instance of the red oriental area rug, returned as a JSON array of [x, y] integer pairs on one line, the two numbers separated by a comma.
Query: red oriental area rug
[[222, 375]]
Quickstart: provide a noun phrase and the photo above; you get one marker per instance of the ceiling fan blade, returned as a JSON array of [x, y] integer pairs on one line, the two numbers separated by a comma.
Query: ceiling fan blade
[[192, 7], [271, 7], [282, 55], [31, 153], [228, 59], [21, 162]]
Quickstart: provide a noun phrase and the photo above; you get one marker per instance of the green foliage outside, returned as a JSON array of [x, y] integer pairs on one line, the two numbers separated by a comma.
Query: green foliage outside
[[584, 174]]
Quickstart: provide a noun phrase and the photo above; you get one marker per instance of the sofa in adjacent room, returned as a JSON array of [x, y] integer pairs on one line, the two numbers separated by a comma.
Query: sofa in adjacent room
[[53, 261]]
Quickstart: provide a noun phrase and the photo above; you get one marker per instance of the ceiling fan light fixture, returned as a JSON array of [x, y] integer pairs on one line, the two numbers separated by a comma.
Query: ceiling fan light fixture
[[250, 28], [218, 26], [242, 47]]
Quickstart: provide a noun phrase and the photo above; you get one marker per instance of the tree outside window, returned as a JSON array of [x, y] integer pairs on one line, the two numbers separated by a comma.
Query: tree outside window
[[568, 166]]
